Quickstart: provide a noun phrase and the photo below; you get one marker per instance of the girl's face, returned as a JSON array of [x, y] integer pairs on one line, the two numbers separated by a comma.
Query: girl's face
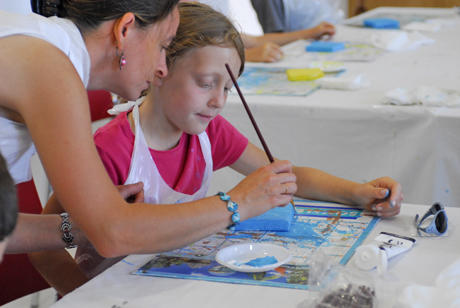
[[195, 91], [146, 56]]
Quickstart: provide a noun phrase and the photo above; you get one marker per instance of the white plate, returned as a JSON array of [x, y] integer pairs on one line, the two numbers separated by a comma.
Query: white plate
[[261, 257]]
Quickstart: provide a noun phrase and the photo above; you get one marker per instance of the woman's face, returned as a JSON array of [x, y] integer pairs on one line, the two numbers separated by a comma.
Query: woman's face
[[145, 55]]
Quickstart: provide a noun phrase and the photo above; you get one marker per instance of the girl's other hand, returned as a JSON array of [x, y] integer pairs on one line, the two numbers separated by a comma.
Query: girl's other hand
[[380, 197]]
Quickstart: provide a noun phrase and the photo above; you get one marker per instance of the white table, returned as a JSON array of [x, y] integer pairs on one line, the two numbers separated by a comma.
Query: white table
[[117, 286], [352, 135]]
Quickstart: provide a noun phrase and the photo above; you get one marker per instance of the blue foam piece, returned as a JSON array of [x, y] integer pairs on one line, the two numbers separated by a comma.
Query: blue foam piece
[[323, 46], [381, 23], [276, 219]]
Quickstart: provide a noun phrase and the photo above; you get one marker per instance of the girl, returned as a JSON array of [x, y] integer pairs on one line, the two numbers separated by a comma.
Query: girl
[[176, 138]]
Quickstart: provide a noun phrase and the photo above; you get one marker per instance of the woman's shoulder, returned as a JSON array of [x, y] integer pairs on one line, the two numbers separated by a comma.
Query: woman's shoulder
[[60, 33]]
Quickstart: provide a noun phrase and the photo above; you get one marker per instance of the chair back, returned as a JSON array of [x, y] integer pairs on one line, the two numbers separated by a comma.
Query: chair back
[[18, 277]]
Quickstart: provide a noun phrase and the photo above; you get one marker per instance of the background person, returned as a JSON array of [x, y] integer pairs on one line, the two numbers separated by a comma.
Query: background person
[[260, 46]]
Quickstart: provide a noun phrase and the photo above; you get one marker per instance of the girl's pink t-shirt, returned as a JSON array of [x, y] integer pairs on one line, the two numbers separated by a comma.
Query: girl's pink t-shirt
[[183, 166]]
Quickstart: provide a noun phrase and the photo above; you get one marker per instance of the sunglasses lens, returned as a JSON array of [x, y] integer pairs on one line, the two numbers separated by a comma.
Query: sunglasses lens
[[441, 222]]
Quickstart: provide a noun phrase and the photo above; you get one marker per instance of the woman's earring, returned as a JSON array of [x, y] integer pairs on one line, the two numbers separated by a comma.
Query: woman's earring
[[122, 59]]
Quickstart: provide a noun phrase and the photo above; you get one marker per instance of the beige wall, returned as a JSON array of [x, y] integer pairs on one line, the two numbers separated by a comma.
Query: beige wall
[[358, 6]]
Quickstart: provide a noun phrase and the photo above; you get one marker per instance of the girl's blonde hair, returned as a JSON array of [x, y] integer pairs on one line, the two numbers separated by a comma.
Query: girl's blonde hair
[[202, 26]]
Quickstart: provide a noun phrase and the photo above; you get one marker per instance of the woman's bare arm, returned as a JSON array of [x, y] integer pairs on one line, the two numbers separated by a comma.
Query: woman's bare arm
[[51, 99]]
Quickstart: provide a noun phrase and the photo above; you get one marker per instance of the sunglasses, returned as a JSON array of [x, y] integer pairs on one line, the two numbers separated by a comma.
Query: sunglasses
[[433, 222]]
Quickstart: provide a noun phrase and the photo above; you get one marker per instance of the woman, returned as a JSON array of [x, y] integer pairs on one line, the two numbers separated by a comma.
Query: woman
[[118, 46]]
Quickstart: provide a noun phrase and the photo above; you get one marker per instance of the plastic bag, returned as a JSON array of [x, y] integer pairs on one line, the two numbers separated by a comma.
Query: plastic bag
[[349, 289], [303, 14]]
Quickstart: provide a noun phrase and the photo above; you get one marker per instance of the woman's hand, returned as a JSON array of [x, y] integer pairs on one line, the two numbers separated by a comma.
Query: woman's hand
[[267, 187], [380, 197], [132, 192]]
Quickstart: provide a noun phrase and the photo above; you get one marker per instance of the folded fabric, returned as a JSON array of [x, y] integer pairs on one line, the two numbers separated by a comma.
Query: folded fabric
[[323, 46], [346, 82], [395, 40], [423, 95], [445, 292], [381, 23], [422, 26], [276, 219]]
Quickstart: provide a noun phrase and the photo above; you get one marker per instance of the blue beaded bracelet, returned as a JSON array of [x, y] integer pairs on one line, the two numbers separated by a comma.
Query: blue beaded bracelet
[[231, 207]]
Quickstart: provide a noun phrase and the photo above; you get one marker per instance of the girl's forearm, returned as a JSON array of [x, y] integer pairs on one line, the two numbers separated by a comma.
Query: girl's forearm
[[319, 185]]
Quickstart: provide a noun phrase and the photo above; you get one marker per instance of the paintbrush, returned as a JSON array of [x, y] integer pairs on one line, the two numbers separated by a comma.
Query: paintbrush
[[253, 121]]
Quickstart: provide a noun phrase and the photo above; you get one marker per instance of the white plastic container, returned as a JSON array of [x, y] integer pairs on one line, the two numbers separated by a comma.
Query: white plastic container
[[385, 246]]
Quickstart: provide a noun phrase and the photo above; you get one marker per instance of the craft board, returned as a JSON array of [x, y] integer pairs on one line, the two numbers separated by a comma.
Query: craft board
[[335, 229]]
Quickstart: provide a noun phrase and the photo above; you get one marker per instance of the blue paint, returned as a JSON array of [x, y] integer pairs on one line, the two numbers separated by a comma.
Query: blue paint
[[276, 219], [259, 262], [304, 231], [323, 46], [381, 23]]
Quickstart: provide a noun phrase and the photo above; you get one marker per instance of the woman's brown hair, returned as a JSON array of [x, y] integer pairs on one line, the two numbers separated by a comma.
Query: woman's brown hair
[[202, 26], [89, 14]]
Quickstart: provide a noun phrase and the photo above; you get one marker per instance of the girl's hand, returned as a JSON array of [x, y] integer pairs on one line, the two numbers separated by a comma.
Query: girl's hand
[[380, 197], [267, 187]]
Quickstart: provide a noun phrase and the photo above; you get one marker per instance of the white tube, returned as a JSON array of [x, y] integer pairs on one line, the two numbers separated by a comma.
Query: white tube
[[394, 244]]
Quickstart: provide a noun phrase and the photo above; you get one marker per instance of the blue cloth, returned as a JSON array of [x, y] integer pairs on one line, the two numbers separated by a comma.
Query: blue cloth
[[276, 219], [322, 46], [381, 23]]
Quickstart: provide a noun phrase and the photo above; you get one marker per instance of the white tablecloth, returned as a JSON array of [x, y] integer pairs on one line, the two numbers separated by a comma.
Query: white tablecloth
[[352, 135], [116, 287]]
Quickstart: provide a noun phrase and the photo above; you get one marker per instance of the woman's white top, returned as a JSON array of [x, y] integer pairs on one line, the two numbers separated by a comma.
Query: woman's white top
[[16, 145]]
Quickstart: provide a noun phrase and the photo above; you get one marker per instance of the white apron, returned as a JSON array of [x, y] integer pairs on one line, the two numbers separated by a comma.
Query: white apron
[[156, 191], [143, 169]]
